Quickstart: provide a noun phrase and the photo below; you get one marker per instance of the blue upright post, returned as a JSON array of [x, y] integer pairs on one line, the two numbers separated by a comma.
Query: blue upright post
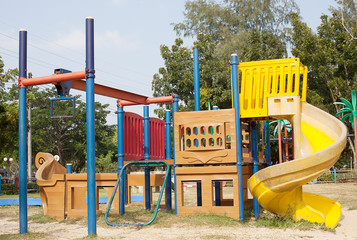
[[168, 156], [174, 109], [267, 143], [199, 193], [121, 157], [92, 222], [147, 156], [334, 175], [196, 81], [69, 168], [168, 134], [22, 133], [234, 65], [217, 193], [254, 145], [217, 184]]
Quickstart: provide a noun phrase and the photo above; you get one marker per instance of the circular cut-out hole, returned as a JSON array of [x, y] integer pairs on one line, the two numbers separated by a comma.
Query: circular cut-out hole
[[219, 141], [218, 129], [211, 142], [188, 143], [188, 131], [210, 130], [203, 142], [195, 130], [203, 131], [195, 142]]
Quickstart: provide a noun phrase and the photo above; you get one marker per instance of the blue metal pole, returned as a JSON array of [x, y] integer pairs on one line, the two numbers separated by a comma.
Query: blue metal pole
[[196, 79], [334, 174], [92, 222], [254, 146], [217, 184], [121, 158], [217, 193], [147, 156], [168, 156], [267, 145], [199, 193], [234, 65], [174, 109], [168, 134], [69, 168], [22, 133]]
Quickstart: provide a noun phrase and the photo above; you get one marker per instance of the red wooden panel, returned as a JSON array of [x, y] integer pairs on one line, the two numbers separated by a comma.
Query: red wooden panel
[[133, 137], [157, 139]]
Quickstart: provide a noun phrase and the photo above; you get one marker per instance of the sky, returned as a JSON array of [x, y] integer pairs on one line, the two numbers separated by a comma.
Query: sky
[[128, 35]]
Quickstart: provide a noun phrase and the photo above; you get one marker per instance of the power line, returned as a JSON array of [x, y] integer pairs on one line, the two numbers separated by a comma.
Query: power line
[[33, 60], [53, 43]]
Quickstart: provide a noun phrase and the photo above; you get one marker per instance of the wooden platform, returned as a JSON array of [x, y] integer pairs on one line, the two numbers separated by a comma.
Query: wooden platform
[[207, 176]]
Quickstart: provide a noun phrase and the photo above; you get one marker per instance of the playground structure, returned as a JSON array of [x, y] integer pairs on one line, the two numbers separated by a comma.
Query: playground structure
[[208, 144], [63, 194]]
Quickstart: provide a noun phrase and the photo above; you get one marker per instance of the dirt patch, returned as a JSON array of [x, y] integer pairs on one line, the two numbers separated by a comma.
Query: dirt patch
[[345, 193]]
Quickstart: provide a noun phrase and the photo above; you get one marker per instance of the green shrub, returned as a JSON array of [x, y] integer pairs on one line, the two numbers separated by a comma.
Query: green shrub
[[31, 185], [326, 177], [7, 188]]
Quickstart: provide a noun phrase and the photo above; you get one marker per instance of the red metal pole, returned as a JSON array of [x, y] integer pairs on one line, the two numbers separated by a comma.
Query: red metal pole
[[149, 100], [54, 78], [355, 124], [159, 99]]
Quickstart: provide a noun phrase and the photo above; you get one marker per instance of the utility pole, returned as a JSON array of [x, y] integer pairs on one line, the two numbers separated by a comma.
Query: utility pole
[[29, 136]]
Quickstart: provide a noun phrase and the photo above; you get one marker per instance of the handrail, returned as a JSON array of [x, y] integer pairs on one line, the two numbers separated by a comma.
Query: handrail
[[145, 163]]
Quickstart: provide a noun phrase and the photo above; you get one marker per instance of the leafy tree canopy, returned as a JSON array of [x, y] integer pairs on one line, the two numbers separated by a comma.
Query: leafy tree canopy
[[330, 55], [254, 29], [64, 137], [8, 115], [230, 22]]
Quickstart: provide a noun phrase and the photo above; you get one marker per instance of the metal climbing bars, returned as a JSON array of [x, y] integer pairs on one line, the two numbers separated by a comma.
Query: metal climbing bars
[[145, 163]]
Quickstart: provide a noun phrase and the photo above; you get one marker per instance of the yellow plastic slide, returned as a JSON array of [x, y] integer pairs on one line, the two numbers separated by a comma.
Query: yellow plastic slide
[[278, 188]]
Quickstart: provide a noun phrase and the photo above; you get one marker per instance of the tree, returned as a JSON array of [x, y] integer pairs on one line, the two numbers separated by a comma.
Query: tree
[[286, 126], [330, 55], [231, 22], [8, 116], [65, 137], [254, 29], [350, 113]]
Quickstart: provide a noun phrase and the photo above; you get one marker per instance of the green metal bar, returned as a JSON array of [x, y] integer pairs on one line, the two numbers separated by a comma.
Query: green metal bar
[[146, 163]]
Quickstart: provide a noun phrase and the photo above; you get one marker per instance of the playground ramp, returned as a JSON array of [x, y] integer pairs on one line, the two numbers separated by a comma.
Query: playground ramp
[[319, 138]]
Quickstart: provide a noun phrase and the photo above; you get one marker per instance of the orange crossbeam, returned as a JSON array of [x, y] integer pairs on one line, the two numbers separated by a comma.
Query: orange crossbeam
[[149, 100], [54, 78], [111, 92]]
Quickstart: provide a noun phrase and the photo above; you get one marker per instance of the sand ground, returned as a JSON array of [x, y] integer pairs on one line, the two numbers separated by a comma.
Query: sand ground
[[60, 230]]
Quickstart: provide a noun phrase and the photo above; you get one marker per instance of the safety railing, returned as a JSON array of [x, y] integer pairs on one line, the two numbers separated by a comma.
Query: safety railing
[[270, 78]]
